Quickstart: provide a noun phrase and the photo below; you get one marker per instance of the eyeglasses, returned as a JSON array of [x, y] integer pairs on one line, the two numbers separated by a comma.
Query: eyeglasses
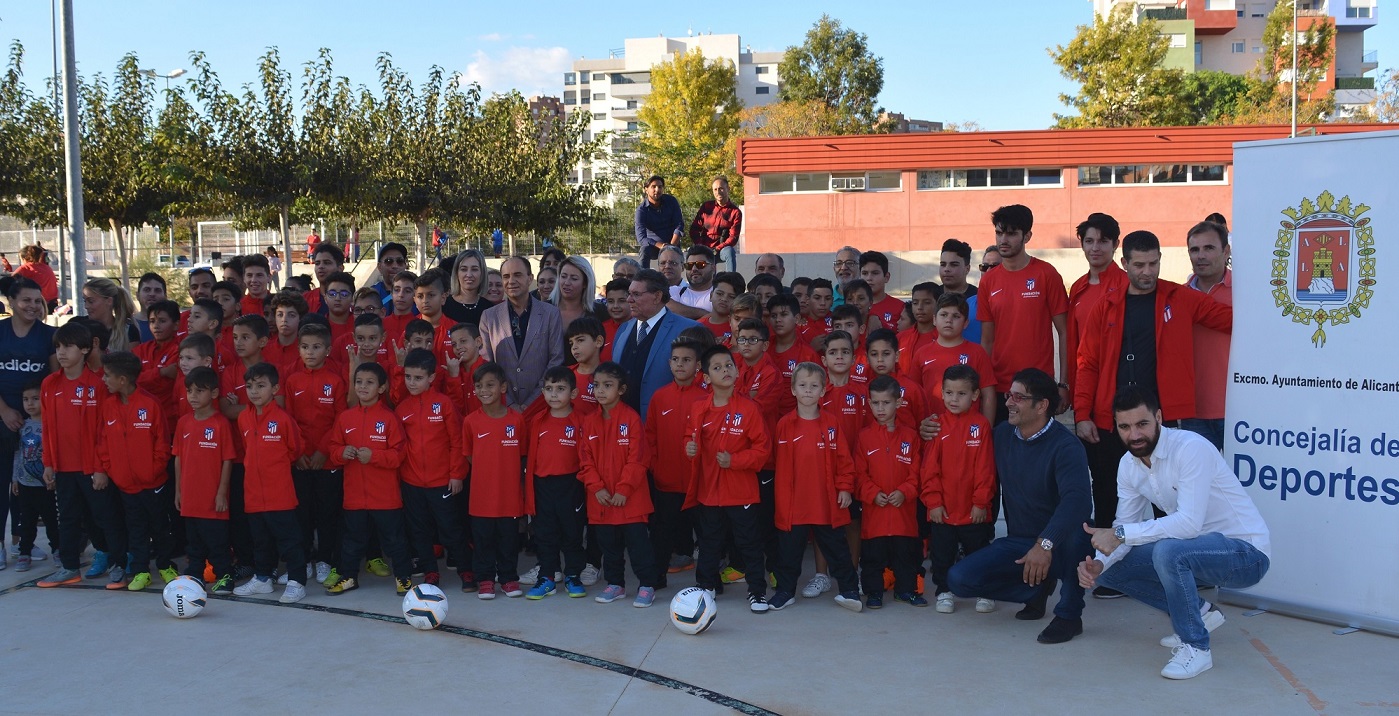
[[697, 265], [394, 261], [747, 340], [338, 293], [988, 267], [361, 310], [1017, 398], [843, 264]]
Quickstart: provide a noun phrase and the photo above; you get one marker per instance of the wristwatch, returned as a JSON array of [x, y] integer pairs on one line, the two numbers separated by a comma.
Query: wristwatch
[[1046, 544], [1120, 532]]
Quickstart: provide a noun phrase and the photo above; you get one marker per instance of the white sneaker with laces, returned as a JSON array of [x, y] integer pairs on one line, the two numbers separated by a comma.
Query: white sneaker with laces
[[322, 572], [293, 593], [530, 577], [1187, 662], [256, 585], [819, 584], [1213, 620], [945, 603], [985, 606], [589, 576]]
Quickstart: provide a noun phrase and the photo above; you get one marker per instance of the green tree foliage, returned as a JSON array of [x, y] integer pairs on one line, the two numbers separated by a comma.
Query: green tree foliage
[[31, 155], [834, 66], [1117, 64], [1385, 108], [1214, 97], [1270, 101], [692, 111]]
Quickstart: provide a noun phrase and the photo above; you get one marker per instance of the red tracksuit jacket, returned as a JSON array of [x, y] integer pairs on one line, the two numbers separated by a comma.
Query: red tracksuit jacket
[[667, 431], [154, 356], [813, 464], [495, 447], [786, 363], [372, 485], [71, 409], [133, 444], [737, 428], [613, 458], [553, 451], [762, 383], [314, 398], [887, 460], [432, 447], [850, 404], [271, 442], [959, 467]]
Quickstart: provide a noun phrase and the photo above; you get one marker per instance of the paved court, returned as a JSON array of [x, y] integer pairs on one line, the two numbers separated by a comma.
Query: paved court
[[86, 650]]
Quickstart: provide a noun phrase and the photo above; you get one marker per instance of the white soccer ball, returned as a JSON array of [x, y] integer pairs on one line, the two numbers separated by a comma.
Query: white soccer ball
[[184, 597], [692, 610], [425, 607]]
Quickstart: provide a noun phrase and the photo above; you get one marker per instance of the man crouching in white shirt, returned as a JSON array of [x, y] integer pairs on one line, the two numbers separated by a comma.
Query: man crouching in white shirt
[[1212, 532]]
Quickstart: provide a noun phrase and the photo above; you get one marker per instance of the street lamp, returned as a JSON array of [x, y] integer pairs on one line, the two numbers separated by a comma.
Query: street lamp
[[194, 255], [156, 75]]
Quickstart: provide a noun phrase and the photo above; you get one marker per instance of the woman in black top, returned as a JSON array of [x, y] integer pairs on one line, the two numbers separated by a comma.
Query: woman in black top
[[467, 302]]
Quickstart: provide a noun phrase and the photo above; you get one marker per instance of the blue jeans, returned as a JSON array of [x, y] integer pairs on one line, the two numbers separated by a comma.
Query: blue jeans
[[1163, 575], [992, 572], [1211, 429], [728, 256]]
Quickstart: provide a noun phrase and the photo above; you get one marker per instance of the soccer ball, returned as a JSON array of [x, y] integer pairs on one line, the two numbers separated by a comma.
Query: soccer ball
[[184, 597], [692, 610], [425, 607]]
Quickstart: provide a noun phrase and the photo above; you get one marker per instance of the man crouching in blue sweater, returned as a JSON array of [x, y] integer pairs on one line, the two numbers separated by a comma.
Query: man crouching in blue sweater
[[1047, 494]]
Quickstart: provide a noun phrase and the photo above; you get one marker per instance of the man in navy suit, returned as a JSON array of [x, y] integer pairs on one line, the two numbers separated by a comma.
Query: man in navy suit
[[643, 343]]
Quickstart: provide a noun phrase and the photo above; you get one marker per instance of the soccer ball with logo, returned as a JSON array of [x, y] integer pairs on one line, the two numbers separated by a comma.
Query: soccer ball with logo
[[692, 610], [425, 607], [184, 598]]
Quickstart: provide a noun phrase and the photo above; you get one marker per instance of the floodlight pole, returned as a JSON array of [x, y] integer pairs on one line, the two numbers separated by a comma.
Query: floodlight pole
[[1294, 69], [71, 152]]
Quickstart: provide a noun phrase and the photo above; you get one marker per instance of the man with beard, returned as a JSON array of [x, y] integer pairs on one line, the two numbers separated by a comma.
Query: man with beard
[[847, 268], [1211, 533], [691, 299]]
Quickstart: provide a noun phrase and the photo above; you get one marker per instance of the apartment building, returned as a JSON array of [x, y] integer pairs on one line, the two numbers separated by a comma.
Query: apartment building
[[612, 90], [1227, 35]]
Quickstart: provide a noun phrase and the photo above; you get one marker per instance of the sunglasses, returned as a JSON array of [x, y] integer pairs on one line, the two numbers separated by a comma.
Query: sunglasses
[[697, 265], [394, 261], [988, 267]]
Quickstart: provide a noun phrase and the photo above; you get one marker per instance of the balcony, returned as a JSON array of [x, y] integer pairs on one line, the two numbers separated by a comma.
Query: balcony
[[1370, 62], [1355, 83], [1350, 98], [1211, 21], [1164, 13]]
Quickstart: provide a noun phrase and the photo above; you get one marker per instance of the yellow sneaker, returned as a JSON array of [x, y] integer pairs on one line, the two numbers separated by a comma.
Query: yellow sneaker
[[342, 586], [729, 575], [170, 574], [378, 567], [139, 581]]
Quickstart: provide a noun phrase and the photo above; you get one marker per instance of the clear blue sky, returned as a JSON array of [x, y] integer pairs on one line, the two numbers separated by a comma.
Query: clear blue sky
[[944, 61]]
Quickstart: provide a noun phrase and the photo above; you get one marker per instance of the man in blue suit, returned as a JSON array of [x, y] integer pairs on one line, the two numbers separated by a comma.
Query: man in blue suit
[[642, 345]]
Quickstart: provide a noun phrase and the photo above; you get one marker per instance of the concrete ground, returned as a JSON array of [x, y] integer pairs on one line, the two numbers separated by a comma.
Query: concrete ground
[[87, 650]]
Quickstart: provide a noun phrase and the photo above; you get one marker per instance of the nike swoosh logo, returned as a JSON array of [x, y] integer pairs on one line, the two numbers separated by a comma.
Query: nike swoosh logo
[[746, 506], [997, 291], [299, 392], [446, 495], [111, 422], [185, 436], [350, 430], [799, 437], [781, 442], [578, 508], [764, 482], [482, 435], [871, 452], [592, 437], [667, 412], [409, 416], [709, 423], [158, 489]]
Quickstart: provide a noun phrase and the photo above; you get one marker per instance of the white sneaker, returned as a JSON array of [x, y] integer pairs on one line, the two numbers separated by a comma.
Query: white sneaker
[[945, 604], [1187, 662], [322, 572], [589, 576], [256, 585], [1213, 620], [37, 555], [820, 584], [282, 578], [530, 577], [293, 593], [985, 606]]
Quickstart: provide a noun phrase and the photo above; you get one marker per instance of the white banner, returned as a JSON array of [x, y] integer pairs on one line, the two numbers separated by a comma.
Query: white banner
[[1312, 428]]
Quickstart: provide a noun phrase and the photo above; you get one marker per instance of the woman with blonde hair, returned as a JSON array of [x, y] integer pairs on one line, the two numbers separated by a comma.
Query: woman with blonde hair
[[110, 304], [468, 300], [575, 290]]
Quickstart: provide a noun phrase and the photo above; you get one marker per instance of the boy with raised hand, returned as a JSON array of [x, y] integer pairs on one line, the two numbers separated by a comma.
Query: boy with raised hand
[[432, 478], [613, 471], [133, 447], [71, 404], [160, 356], [494, 441], [887, 475], [339, 291], [952, 349], [924, 305], [271, 441], [819, 320], [430, 295], [727, 287], [315, 394], [958, 482], [466, 345], [585, 339], [883, 351], [814, 480], [203, 454], [366, 344], [367, 441], [666, 421], [851, 319], [553, 489], [402, 305], [366, 305], [728, 444], [283, 347]]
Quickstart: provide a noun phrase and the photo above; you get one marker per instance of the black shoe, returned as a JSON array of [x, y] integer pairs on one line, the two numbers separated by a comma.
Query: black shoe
[[1034, 609], [1060, 630], [1107, 593]]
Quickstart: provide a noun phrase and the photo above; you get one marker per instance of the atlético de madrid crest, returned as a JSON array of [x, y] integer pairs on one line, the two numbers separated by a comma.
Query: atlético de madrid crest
[[1324, 263]]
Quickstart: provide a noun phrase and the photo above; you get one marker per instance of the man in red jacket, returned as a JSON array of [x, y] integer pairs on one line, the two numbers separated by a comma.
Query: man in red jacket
[[1143, 336], [718, 223]]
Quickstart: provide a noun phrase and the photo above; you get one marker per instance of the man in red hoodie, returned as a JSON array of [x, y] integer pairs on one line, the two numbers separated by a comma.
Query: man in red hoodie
[[367, 440]]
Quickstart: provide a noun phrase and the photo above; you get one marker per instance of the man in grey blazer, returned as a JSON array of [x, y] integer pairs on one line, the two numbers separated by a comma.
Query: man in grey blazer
[[642, 345], [523, 334]]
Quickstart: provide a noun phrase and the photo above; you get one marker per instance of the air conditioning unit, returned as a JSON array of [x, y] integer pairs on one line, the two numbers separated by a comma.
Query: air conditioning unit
[[847, 183]]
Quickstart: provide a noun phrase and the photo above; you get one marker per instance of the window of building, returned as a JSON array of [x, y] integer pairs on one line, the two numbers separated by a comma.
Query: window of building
[[1237, 47], [582, 98], [1239, 12], [1257, 9], [632, 104], [1219, 4], [1358, 11], [762, 90], [1199, 53], [583, 77], [760, 70], [632, 126], [599, 96], [1177, 39], [827, 182], [570, 97], [884, 181], [599, 116], [988, 178], [1150, 174], [570, 78]]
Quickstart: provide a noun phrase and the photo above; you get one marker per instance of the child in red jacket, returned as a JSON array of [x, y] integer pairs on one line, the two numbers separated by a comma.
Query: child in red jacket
[[203, 453], [814, 480], [271, 441], [886, 460], [666, 421], [729, 443], [494, 440], [958, 481], [613, 472], [315, 394], [367, 440], [133, 447], [553, 492]]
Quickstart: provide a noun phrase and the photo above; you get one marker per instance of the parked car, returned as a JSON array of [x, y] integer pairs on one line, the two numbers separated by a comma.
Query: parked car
[[181, 261]]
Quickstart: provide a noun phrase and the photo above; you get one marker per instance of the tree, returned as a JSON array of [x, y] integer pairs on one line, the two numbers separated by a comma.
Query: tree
[[834, 66], [1270, 101], [1117, 65], [1385, 108], [691, 113], [336, 134], [31, 157], [798, 118], [1214, 97]]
